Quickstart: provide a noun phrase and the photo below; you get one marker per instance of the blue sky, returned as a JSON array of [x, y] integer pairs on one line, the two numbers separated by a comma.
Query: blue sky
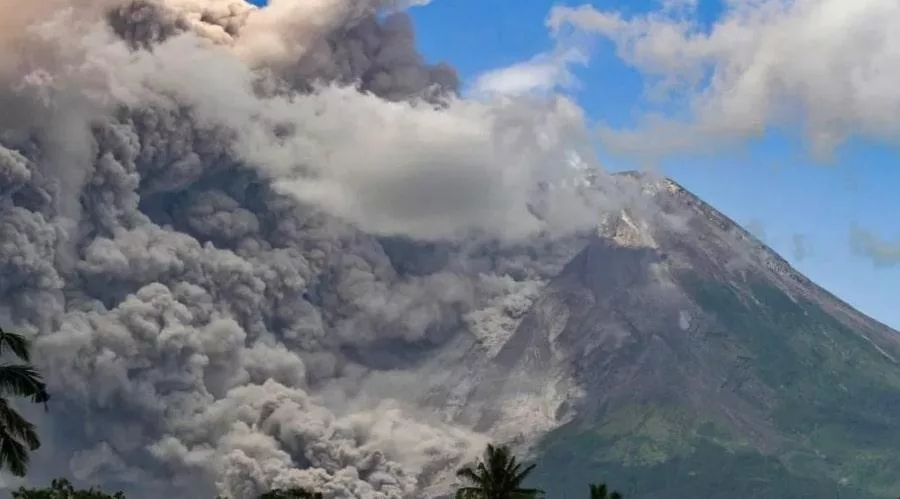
[[770, 182]]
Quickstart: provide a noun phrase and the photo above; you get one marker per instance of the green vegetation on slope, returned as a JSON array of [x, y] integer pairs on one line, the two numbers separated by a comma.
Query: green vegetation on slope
[[708, 470], [656, 452], [838, 395], [836, 402]]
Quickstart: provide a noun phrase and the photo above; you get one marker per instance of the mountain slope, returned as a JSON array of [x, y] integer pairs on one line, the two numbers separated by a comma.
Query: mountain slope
[[708, 366]]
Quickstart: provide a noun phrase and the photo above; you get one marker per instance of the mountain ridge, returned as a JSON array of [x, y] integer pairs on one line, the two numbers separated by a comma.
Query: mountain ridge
[[780, 264], [685, 320]]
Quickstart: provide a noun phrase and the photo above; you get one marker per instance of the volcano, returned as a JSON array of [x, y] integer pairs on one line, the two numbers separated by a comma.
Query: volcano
[[706, 366], [274, 247]]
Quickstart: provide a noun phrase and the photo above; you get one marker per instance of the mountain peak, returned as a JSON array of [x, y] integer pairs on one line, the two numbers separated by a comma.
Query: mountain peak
[[693, 346], [651, 179]]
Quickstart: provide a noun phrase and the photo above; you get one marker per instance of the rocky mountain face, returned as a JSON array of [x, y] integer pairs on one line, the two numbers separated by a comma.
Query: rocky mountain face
[[695, 362]]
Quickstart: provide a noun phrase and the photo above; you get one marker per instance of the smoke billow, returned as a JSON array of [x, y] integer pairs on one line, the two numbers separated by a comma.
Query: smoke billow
[[225, 224]]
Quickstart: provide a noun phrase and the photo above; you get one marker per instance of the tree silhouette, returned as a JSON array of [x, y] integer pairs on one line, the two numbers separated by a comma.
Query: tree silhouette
[[602, 492], [496, 476], [18, 436], [62, 489]]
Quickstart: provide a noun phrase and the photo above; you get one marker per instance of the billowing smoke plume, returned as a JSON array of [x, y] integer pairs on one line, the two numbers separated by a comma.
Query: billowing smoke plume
[[233, 230]]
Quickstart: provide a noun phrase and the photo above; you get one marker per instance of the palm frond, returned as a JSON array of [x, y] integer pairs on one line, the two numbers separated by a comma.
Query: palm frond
[[520, 476], [601, 491], [598, 491], [14, 425], [468, 493], [497, 474], [17, 434], [13, 456], [15, 343], [22, 380], [526, 493], [467, 473]]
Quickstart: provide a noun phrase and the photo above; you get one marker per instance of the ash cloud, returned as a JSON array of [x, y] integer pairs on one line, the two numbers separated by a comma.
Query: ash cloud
[[226, 224]]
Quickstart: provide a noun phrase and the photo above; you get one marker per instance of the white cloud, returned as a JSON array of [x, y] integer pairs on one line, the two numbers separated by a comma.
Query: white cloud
[[543, 73], [829, 66]]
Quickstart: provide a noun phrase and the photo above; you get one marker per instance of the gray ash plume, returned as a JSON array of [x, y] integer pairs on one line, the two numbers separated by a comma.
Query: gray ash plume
[[215, 220]]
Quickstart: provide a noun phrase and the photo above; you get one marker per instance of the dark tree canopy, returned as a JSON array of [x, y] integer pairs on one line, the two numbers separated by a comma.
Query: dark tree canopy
[[601, 491], [18, 436], [497, 475], [62, 489]]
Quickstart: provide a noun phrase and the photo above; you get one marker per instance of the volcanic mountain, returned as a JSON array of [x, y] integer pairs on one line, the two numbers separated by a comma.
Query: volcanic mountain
[[273, 247], [704, 366]]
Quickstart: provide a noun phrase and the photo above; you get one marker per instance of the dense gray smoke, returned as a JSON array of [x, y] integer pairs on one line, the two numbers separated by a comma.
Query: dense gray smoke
[[236, 231]]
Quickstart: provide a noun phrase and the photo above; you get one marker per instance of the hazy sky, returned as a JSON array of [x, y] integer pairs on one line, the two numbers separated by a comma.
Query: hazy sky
[[771, 83]]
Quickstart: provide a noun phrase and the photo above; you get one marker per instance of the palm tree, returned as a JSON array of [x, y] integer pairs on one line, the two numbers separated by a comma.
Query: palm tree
[[496, 476], [601, 492], [17, 435]]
